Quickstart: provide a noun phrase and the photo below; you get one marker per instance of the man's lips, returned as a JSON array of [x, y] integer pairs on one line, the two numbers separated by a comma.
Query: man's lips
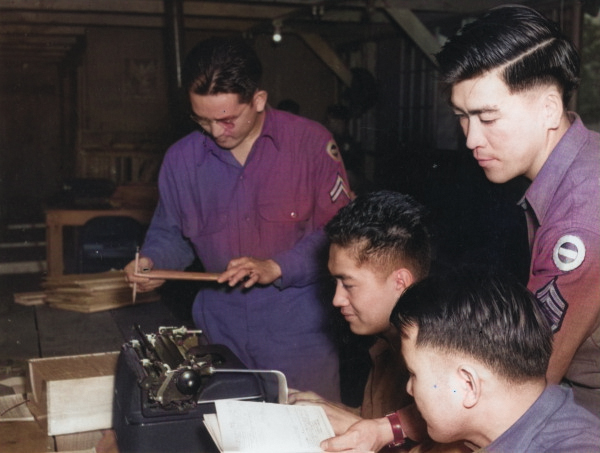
[[482, 159], [348, 314], [485, 161]]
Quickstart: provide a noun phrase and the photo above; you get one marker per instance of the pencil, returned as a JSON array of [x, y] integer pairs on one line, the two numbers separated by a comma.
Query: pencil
[[137, 261]]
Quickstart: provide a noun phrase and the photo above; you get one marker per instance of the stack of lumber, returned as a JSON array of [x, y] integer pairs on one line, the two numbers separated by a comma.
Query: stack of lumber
[[89, 293]]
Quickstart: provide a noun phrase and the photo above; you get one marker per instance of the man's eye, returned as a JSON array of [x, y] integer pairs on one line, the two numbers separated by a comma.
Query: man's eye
[[487, 120]]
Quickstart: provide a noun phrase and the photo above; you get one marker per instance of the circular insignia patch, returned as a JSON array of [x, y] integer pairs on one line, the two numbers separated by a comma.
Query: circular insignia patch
[[334, 151], [568, 253]]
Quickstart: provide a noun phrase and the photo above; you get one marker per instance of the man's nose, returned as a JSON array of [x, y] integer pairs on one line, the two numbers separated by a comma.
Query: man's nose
[[473, 134], [216, 129], [339, 299]]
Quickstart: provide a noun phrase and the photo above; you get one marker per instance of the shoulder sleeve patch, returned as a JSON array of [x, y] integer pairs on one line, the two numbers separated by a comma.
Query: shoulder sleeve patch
[[339, 188], [553, 305], [568, 253], [334, 151]]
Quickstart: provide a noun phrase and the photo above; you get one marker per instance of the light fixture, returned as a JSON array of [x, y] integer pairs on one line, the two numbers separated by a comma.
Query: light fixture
[[277, 30]]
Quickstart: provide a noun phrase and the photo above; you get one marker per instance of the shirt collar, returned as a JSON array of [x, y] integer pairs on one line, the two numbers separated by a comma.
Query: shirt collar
[[270, 128]]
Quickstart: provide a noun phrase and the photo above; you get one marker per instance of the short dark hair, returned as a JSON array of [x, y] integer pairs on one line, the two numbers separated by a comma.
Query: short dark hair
[[385, 229], [529, 49], [481, 313], [222, 65]]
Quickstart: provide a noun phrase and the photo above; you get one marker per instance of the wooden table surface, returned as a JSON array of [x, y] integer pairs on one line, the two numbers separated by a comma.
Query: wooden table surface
[[42, 331]]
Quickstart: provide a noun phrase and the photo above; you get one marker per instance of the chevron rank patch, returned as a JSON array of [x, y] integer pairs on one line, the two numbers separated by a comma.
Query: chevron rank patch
[[569, 253], [334, 151], [339, 187], [553, 305]]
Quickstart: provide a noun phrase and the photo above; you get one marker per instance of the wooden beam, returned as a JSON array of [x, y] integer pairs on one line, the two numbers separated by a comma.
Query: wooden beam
[[243, 10], [329, 57], [415, 29], [440, 6], [41, 40], [81, 19], [220, 25], [239, 10], [41, 30], [90, 6]]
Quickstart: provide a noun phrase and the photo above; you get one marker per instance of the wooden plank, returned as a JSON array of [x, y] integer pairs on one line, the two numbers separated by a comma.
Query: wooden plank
[[19, 437], [414, 28], [91, 411], [78, 441], [30, 298], [162, 274], [56, 380], [90, 293], [97, 305]]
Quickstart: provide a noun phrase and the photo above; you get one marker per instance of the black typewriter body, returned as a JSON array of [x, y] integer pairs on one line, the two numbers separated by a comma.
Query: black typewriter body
[[164, 385]]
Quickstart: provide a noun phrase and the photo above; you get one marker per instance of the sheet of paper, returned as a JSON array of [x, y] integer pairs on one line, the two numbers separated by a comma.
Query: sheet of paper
[[247, 426], [212, 425], [13, 408]]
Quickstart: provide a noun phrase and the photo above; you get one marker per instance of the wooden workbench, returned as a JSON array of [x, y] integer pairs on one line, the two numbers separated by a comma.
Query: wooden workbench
[[58, 333]]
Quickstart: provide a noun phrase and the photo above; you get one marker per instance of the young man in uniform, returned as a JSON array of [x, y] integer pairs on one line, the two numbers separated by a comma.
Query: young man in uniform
[[379, 246], [249, 194], [477, 347], [512, 74], [510, 92]]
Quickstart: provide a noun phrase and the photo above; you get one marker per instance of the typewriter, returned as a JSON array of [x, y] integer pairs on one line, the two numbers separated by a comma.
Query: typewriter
[[165, 382]]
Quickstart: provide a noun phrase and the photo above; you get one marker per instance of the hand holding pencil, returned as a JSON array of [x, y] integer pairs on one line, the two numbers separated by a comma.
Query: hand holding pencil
[[142, 278], [134, 275]]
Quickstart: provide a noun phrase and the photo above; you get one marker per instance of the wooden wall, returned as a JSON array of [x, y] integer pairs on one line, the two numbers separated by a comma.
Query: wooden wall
[[121, 104]]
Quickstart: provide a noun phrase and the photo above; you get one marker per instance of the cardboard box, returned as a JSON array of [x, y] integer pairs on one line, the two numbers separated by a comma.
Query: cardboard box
[[73, 394]]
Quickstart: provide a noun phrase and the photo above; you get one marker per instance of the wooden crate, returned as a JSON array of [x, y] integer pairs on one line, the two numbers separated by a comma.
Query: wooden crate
[[73, 394]]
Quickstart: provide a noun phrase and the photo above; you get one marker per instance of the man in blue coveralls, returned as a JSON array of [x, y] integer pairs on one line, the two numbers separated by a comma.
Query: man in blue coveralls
[[248, 194]]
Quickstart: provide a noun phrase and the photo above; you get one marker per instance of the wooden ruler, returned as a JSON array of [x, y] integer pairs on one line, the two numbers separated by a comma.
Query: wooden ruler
[[178, 275]]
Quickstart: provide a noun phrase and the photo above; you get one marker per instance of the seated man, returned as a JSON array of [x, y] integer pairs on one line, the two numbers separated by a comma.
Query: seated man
[[477, 348], [380, 246]]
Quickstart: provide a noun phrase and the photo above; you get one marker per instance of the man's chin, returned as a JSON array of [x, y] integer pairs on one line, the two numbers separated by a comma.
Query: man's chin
[[359, 329], [226, 143]]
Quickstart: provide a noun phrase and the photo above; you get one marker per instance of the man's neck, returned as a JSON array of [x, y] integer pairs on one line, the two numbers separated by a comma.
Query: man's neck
[[242, 151], [391, 335], [503, 408], [554, 136]]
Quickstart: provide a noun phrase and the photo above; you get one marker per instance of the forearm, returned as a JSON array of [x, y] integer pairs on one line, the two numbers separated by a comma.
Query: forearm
[[304, 263], [164, 243]]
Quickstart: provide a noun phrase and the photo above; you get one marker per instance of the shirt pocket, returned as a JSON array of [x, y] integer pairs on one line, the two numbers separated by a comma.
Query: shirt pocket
[[284, 222]]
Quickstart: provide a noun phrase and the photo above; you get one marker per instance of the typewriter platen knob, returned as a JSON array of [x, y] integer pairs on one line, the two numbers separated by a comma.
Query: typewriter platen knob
[[188, 382]]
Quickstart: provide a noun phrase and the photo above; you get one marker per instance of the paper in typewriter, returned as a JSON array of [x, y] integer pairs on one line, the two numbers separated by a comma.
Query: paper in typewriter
[[254, 427]]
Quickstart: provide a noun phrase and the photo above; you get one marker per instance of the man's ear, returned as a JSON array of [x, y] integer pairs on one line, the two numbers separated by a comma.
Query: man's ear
[[470, 382], [260, 100], [403, 278], [553, 107]]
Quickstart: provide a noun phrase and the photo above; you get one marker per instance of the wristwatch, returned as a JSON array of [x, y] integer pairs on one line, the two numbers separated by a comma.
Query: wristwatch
[[399, 437]]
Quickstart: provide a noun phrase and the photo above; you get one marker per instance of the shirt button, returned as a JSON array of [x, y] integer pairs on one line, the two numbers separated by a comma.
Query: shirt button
[[247, 219], [293, 215]]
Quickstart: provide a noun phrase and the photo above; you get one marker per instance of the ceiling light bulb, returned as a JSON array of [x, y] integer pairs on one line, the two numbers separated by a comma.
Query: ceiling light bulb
[[277, 31]]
